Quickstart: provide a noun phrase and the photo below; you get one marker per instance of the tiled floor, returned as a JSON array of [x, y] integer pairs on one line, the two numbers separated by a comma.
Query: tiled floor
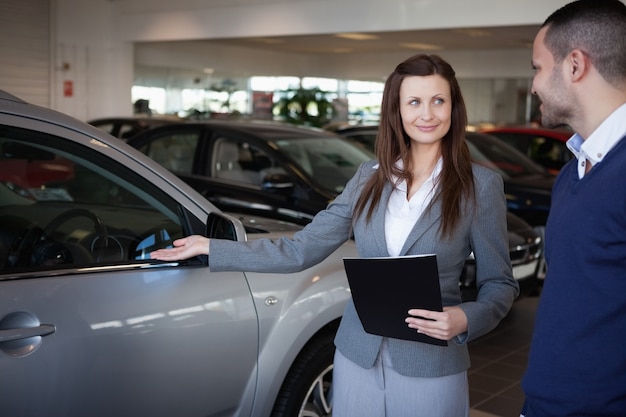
[[498, 363]]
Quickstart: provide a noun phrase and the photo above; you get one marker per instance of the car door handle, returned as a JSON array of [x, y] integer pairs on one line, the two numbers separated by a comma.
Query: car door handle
[[26, 332], [21, 333]]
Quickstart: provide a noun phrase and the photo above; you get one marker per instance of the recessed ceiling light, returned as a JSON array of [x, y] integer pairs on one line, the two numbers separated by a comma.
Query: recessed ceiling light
[[421, 46], [357, 36]]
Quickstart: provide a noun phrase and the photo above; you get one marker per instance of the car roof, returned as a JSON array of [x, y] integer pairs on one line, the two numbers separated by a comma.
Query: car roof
[[543, 131], [138, 118], [264, 129], [14, 105], [348, 127], [6, 96]]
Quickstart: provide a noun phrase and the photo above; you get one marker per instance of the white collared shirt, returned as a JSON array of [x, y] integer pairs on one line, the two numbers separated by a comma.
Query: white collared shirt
[[600, 142], [402, 214]]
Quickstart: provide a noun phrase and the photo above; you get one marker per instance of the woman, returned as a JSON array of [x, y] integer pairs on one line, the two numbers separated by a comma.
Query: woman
[[422, 195]]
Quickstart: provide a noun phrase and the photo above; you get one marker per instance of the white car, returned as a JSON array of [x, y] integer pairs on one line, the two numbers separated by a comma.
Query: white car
[[90, 326]]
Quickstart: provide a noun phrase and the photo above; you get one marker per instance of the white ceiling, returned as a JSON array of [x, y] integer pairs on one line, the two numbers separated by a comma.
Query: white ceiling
[[498, 51], [432, 41]]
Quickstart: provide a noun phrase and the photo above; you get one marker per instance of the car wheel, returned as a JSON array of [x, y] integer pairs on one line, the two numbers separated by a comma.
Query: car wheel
[[306, 391]]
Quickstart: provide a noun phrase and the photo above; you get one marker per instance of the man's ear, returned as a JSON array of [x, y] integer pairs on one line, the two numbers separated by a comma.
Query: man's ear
[[577, 64]]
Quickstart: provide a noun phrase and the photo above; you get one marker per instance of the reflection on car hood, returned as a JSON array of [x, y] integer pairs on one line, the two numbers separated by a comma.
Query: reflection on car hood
[[257, 226], [520, 232], [540, 184]]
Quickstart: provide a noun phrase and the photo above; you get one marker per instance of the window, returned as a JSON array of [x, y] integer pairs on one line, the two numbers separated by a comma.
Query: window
[[175, 151], [63, 205], [240, 162]]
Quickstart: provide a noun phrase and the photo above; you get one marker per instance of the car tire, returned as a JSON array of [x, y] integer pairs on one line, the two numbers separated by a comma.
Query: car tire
[[306, 391]]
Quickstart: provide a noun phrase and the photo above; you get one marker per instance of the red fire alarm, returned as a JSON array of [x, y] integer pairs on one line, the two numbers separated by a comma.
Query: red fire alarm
[[68, 88]]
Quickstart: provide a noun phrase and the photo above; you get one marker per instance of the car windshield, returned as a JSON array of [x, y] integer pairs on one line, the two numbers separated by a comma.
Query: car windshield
[[330, 162], [506, 160]]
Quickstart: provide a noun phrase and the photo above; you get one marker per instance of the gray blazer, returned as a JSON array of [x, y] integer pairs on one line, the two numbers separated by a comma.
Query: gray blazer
[[483, 231]]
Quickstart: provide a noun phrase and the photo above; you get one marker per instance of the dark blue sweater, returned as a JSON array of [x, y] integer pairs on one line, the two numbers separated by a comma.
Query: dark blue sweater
[[577, 363]]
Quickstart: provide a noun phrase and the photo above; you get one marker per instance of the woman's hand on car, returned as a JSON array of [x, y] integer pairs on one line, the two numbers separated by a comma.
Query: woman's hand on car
[[184, 248]]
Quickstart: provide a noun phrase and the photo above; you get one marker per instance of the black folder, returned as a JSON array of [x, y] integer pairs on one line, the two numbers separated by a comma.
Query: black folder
[[384, 289]]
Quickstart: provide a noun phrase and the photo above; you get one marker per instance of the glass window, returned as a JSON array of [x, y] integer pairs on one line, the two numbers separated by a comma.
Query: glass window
[[240, 162], [155, 97], [506, 160], [108, 127], [330, 162], [260, 83], [64, 205], [175, 151], [324, 84]]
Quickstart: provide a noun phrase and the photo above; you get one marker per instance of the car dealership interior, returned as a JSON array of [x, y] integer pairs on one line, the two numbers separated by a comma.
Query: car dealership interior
[[84, 57], [97, 59]]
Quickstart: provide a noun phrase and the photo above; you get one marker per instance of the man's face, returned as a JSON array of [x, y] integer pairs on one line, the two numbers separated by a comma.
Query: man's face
[[549, 85]]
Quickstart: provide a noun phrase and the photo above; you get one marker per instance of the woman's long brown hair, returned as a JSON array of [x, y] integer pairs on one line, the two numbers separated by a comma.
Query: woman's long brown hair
[[456, 182]]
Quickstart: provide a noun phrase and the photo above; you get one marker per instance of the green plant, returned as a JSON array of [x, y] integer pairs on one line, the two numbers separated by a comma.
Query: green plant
[[305, 107]]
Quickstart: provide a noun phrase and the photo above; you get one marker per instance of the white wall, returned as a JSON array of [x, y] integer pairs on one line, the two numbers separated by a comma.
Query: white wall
[[196, 19], [25, 49], [88, 51]]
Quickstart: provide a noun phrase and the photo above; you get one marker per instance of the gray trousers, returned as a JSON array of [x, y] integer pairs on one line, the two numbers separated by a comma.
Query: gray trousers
[[382, 392]]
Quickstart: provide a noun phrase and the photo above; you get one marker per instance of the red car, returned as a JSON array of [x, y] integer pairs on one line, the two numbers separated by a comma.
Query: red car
[[544, 146], [34, 173]]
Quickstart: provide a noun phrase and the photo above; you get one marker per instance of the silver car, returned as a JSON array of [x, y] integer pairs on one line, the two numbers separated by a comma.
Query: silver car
[[90, 326]]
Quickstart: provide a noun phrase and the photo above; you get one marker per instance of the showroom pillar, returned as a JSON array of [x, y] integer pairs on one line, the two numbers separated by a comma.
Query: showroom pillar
[[92, 67]]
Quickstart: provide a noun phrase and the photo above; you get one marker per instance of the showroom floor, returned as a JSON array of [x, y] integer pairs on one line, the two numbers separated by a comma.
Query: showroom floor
[[498, 363]]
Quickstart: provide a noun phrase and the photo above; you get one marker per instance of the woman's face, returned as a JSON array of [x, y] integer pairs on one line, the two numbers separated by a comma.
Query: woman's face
[[425, 108]]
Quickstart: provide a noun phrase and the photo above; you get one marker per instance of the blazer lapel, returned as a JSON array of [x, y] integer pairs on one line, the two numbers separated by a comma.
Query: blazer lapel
[[378, 220], [425, 222]]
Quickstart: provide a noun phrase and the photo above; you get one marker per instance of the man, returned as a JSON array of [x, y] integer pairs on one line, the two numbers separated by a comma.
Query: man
[[577, 362]]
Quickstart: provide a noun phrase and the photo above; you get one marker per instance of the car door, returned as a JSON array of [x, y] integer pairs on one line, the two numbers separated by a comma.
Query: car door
[[89, 325], [251, 177]]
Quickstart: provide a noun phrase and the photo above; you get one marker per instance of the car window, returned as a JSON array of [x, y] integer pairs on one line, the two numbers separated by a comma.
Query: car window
[[366, 139], [520, 142], [128, 130], [108, 127], [65, 205], [174, 150], [238, 161], [549, 152], [330, 162], [495, 154]]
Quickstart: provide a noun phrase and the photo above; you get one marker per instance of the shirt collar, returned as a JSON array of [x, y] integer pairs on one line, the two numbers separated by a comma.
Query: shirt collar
[[602, 140]]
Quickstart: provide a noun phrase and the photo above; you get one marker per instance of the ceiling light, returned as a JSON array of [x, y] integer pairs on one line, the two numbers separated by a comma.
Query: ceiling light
[[357, 36], [421, 46]]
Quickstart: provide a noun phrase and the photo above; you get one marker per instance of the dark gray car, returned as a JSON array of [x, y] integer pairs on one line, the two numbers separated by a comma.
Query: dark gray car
[[288, 172]]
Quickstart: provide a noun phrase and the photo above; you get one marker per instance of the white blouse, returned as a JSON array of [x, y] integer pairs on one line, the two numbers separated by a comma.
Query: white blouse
[[402, 214]]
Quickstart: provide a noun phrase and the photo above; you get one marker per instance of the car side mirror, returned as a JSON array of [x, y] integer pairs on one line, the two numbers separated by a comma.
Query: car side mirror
[[222, 226]]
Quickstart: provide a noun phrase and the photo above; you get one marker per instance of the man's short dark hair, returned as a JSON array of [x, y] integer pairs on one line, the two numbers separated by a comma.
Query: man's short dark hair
[[596, 27]]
